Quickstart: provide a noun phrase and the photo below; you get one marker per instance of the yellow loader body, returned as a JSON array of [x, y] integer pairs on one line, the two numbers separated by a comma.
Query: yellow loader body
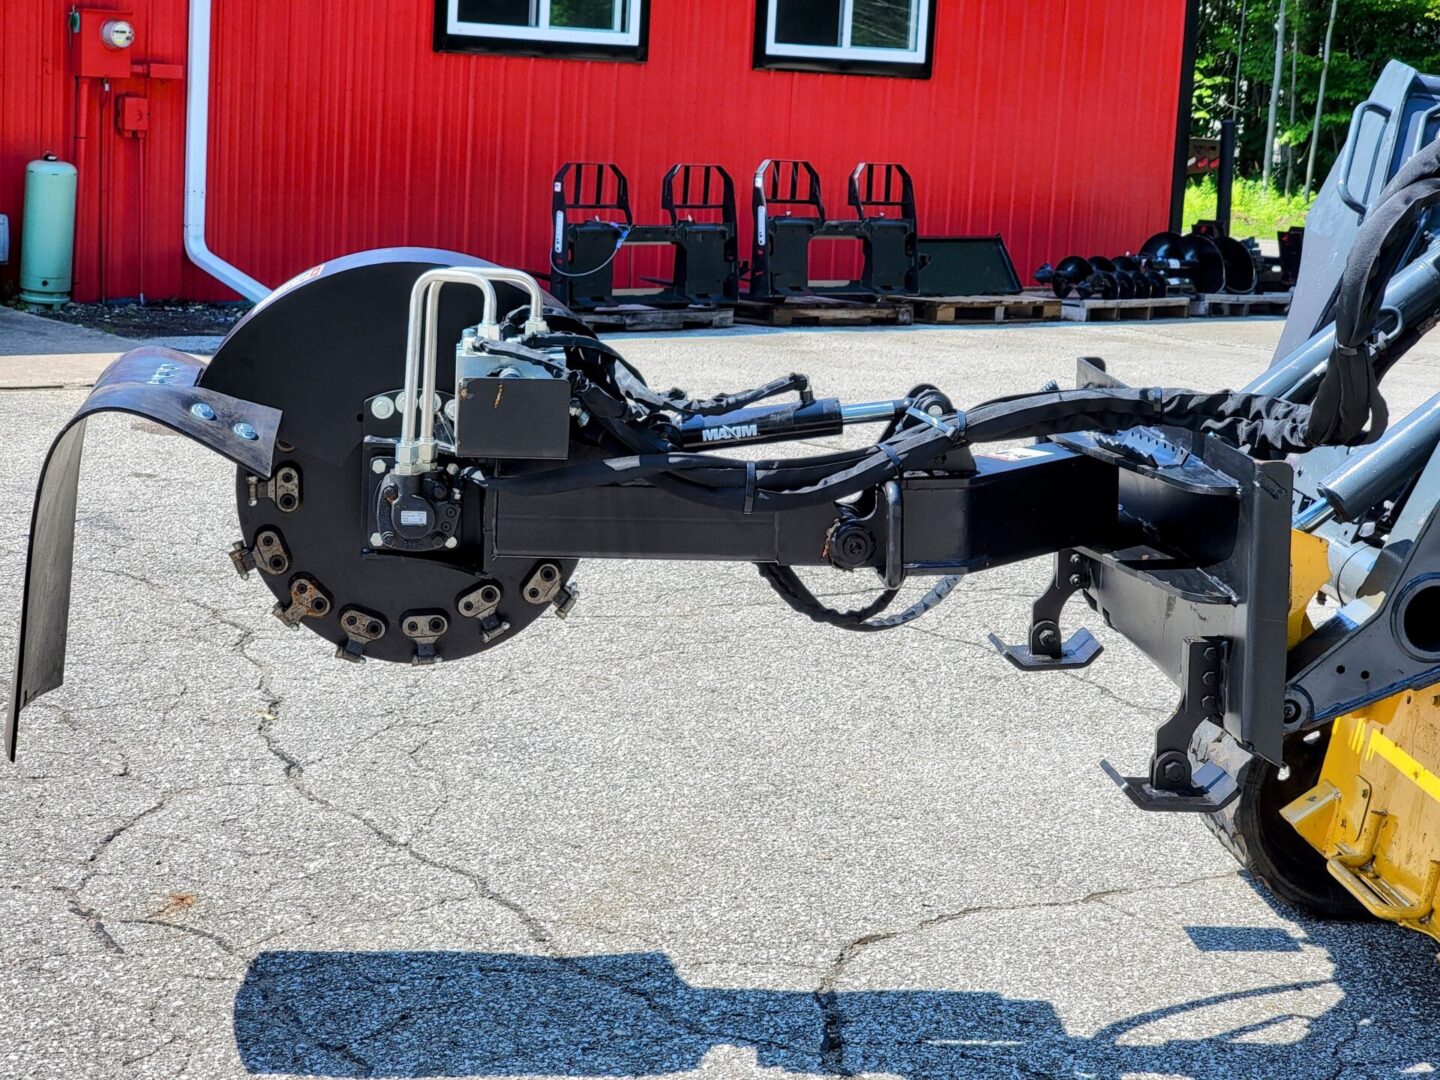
[[1374, 813]]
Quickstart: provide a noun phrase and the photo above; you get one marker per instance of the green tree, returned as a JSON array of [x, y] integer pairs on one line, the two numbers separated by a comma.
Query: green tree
[[1367, 34]]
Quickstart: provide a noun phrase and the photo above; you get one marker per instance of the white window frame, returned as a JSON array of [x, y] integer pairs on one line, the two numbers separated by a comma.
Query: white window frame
[[625, 32], [919, 20]]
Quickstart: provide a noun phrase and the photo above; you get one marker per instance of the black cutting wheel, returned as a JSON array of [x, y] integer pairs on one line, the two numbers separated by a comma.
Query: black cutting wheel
[[320, 348]]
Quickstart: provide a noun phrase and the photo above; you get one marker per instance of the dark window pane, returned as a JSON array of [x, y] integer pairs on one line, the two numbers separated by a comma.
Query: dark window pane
[[504, 12], [586, 14], [882, 24], [807, 22]]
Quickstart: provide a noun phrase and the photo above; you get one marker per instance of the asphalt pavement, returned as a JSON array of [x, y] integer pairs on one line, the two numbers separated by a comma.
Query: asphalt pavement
[[686, 831]]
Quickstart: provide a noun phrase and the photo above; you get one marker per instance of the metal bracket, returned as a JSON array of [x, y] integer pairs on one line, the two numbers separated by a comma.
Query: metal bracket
[[1173, 785], [425, 628], [547, 586], [1045, 648], [483, 605], [283, 489], [361, 628], [267, 555], [307, 601]]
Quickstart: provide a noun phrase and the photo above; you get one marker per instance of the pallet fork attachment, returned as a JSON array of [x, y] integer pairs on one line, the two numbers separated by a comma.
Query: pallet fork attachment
[[594, 220], [789, 213]]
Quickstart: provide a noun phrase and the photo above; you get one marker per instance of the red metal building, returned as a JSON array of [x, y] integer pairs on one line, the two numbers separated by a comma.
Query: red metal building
[[337, 126]]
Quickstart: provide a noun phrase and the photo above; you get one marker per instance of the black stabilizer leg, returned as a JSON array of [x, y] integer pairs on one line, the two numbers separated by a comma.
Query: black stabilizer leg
[[1174, 784], [1045, 648]]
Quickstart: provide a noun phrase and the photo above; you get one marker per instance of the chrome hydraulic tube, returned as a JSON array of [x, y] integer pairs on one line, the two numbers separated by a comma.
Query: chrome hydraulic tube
[[415, 453]]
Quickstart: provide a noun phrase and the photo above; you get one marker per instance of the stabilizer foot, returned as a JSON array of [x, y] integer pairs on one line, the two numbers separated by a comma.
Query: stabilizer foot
[[1211, 788], [1079, 651]]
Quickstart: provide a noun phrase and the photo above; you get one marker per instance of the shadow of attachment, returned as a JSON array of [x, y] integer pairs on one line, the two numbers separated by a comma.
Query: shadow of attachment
[[423, 1014]]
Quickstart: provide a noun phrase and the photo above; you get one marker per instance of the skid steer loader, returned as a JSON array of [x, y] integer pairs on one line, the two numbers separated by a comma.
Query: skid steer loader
[[426, 444]]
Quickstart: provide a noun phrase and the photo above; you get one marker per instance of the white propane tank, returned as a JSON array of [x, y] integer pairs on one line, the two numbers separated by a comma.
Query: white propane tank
[[47, 236]]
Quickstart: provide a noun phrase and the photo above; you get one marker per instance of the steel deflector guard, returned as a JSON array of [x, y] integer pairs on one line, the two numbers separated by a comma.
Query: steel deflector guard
[[157, 384]]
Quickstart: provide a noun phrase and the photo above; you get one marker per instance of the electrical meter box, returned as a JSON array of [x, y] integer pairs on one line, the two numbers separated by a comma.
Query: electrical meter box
[[102, 43]]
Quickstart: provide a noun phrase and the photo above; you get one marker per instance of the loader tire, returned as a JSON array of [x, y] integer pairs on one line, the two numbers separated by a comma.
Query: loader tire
[[1262, 841]]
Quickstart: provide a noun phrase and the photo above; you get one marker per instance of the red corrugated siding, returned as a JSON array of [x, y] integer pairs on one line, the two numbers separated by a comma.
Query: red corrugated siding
[[335, 128]]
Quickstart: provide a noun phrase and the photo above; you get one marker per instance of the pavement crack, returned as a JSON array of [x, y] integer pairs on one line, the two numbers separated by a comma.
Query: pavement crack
[[827, 1000], [832, 1032], [294, 774], [93, 922], [124, 827], [93, 919], [223, 944], [1106, 692]]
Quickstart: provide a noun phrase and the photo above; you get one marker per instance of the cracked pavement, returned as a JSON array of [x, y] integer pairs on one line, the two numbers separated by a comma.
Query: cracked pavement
[[685, 832]]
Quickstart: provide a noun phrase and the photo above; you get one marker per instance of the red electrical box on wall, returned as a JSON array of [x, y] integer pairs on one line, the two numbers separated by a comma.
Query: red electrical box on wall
[[132, 115], [102, 43]]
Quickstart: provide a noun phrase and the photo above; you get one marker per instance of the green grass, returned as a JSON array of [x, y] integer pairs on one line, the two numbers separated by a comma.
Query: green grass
[[1255, 210]]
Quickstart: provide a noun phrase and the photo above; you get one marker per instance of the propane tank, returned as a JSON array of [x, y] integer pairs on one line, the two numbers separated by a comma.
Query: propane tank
[[47, 237]]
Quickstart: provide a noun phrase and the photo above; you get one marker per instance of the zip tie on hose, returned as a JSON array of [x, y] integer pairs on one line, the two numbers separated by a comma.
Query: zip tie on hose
[[934, 421]]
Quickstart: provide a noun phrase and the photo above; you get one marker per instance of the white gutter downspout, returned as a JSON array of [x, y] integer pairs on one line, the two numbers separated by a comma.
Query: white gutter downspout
[[197, 144]]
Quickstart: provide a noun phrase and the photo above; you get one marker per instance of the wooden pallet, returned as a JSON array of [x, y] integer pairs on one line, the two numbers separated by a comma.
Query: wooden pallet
[[644, 317], [824, 311], [1240, 304], [1160, 307], [1025, 307]]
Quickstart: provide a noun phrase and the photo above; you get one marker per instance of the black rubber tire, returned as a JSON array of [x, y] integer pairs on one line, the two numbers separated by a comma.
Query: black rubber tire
[[1262, 841]]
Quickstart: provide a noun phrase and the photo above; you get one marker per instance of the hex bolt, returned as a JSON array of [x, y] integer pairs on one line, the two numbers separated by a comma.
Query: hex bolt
[[452, 409], [245, 431], [203, 411], [377, 466], [1174, 772], [1075, 580], [451, 542], [376, 540], [382, 408], [1049, 638], [1075, 560], [1212, 653], [1292, 710]]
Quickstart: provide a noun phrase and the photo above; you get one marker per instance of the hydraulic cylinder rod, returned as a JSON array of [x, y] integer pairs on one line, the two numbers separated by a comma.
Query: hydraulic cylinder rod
[[1381, 469], [1412, 295], [770, 423]]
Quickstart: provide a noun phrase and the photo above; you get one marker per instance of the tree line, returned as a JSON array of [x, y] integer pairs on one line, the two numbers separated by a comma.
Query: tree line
[[1235, 72]]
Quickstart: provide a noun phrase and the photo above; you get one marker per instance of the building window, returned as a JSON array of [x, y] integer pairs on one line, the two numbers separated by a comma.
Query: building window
[[583, 29], [867, 37]]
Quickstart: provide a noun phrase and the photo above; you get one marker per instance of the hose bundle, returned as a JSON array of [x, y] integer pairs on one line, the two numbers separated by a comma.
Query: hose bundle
[[1347, 409]]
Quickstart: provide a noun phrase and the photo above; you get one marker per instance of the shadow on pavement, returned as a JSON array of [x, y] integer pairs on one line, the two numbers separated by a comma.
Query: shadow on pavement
[[424, 1014]]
